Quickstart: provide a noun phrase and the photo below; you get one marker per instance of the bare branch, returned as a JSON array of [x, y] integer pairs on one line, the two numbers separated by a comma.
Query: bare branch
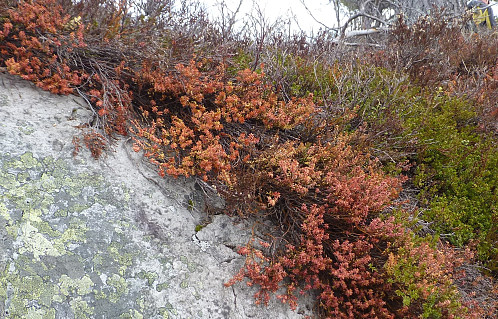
[[356, 16], [316, 20], [355, 33]]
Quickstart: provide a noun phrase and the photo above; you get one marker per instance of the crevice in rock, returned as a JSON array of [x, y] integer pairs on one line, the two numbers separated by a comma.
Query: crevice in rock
[[234, 298]]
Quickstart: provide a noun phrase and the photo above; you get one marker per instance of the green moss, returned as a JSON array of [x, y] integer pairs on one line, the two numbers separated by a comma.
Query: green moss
[[241, 61]]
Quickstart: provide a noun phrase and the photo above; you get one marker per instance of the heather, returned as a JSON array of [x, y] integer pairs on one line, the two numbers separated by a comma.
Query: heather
[[376, 166]]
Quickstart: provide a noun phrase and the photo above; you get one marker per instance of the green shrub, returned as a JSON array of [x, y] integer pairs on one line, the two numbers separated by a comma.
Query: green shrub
[[454, 164], [456, 171]]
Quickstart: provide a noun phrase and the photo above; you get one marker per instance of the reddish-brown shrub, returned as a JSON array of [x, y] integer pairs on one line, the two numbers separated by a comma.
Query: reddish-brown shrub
[[189, 112]]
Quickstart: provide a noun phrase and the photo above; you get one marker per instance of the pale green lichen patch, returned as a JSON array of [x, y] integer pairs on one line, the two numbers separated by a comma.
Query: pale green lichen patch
[[5, 214], [191, 266], [34, 313], [162, 286], [75, 186], [115, 250], [80, 308], [27, 161], [48, 183], [119, 287], [132, 314], [27, 130], [45, 228], [76, 233], [69, 286], [98, 260], [8, 180], [28, 293], [164, 313], [168, 308], [36, 243], [184, 284], [63, 231], [147, 275]]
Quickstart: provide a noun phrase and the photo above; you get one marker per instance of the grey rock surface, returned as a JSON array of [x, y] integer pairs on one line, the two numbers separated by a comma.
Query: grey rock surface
[[81, 238]]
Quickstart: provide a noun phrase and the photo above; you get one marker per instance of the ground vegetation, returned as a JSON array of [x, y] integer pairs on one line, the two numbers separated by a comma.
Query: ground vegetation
[[376, 165]]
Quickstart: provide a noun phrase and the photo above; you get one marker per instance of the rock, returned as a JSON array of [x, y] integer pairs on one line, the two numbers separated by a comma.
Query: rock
[[82, 238]]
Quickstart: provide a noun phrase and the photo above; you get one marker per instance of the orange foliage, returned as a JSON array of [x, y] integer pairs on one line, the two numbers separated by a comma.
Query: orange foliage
[[190, 110]]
